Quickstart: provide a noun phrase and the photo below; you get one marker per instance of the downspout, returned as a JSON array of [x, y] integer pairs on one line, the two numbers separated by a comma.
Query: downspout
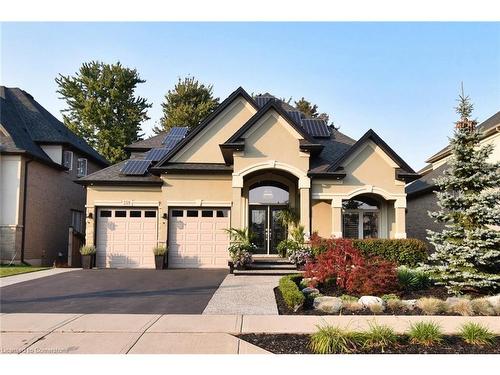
[[23, 237]]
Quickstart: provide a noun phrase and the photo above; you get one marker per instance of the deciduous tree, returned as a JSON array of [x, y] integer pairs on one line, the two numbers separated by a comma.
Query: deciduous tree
[[102, 106]]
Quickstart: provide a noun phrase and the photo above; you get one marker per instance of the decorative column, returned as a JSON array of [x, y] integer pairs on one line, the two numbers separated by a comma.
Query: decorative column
[[91, 212], [305, 209], [337, 217], [236, 210], [400, 216]]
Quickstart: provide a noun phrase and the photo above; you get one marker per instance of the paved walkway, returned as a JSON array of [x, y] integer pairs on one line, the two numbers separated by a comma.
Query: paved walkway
[[176, 334], [16, 279], [244, 295]]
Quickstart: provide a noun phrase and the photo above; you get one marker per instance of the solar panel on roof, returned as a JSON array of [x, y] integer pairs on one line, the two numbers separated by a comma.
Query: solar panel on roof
[[157, 153], [296, 116], [262, 100], [175, 134], [178, 131], [135, 167], [315, 127]]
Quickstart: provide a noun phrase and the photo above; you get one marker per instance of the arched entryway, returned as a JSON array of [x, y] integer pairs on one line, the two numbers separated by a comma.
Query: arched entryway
[[266, 199], [265, 194]]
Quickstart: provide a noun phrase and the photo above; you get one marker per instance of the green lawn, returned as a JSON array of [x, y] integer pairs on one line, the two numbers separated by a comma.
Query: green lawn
[[16, 270]]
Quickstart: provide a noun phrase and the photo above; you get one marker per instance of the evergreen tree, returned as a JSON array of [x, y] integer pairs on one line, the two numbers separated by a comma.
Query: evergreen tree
[[103, 108], [467, 256], [187, 104], [311, 110], [307, 107]]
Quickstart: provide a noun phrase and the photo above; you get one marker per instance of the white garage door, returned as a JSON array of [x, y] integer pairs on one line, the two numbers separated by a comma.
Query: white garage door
[[125, 237], [197, 238]]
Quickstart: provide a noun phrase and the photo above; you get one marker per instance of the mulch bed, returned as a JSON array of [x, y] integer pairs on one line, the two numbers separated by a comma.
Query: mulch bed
[[299, 344], [283, 308]]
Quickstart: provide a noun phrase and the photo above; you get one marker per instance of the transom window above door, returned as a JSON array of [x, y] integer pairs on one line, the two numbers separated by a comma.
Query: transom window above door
[[268, 194]]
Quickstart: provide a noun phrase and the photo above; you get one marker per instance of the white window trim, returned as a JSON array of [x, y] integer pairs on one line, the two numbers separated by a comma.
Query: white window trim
[[360, 220], [67, 152], [78, 167]]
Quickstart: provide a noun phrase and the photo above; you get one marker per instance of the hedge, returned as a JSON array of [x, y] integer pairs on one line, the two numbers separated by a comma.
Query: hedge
[[290, 291], [408, 252]]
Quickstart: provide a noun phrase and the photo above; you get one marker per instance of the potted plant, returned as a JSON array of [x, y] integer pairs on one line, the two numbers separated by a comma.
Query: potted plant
[[240, 248], [88, 254], [160, 255]]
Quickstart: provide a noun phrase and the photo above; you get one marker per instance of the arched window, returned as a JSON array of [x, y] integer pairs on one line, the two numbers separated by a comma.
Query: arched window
[[268, 193], [360, 218]]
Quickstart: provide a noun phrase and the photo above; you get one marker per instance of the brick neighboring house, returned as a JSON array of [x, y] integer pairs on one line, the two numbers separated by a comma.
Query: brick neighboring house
[[420, 194], [40, 159]]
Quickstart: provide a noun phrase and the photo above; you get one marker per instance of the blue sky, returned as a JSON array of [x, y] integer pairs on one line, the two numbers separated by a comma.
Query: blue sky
[[400, 79]]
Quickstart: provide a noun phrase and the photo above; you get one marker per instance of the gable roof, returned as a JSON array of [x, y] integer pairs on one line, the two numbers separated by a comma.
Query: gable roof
[[335, 169], [29, 125], [486, 128], [221, 107], [235, 142]]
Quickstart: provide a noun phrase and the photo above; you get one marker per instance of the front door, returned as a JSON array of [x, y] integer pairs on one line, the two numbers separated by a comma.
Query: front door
[[267, 230]]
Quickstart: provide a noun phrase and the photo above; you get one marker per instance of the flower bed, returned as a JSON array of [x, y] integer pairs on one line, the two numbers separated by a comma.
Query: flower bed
[[421, 337], [299, 344], [340, 279]]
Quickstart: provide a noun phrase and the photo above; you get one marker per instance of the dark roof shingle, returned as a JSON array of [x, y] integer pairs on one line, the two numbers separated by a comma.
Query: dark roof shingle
[[28, 125]]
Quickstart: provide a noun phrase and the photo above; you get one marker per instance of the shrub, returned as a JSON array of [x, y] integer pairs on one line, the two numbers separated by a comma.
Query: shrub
[[408, 251], [425, 333], [387, 297], [88, 250], [411, 279], [291, 293], [283, 247], [475, 334], [481, 306], [431, 306], [348, 298], [375, 277], [334, 340], [379, 336], [394, 304], [352, 306], [376, 309], [462, 307], [159, 250], [318, 244], [345, 265]]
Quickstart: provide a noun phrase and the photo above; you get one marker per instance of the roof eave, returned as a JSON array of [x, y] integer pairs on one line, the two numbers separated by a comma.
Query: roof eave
[[117, 183]]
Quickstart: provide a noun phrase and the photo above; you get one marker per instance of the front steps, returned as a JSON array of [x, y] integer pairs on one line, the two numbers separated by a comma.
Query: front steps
[[267, 266]]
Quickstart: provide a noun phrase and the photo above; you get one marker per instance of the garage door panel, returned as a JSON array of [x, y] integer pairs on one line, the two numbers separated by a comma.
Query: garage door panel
[[207, 227], [126, 242], [207, 236], [199, 241]]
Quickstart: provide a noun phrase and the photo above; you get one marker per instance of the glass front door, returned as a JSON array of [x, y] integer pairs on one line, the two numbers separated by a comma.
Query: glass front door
[[267, 230]]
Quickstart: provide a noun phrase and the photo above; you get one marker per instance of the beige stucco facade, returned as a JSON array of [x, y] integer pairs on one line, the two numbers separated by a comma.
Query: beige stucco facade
[[271, 153]]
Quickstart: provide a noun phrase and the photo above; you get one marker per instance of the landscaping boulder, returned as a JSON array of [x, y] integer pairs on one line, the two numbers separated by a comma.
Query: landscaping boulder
[[310, 290], [367, 301], [409, 303], [331, 305]]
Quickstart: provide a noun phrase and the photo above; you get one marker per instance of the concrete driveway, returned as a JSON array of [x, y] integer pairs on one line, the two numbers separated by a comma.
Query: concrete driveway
[[122, 291]]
